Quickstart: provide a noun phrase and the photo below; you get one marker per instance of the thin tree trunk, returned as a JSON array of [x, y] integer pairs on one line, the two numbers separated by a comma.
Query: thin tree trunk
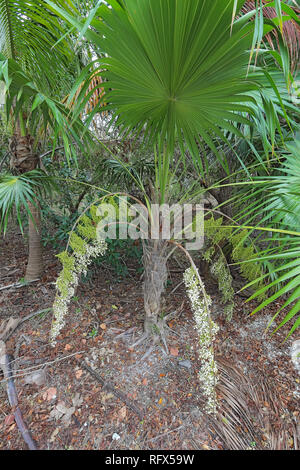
[[23, 159], [35, 255], [155, 276]]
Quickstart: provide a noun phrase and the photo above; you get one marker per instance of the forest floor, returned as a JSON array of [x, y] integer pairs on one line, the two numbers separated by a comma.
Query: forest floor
[[152, 403]]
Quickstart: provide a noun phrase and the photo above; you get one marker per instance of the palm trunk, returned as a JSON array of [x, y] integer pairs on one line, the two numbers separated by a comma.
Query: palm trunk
[[35, 257], [155, 276], [23, 159]]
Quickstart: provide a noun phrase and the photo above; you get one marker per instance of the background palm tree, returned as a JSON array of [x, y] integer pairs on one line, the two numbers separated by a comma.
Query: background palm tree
[[37, 66]]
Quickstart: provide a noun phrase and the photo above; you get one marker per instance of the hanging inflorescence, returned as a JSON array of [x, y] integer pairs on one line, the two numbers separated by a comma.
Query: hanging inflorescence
[[85, 247], [207, 331]]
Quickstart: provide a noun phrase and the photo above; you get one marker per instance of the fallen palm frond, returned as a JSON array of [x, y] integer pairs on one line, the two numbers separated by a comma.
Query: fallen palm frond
[[252, 416]]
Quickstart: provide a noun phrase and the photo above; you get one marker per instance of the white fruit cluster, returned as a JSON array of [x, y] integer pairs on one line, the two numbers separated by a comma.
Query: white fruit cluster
[[67, 282], [207, 331]]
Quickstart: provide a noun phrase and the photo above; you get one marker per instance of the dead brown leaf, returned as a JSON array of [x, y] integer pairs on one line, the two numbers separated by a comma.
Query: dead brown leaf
[[122, 413], [50, 394], [9, 419], [174, 351]]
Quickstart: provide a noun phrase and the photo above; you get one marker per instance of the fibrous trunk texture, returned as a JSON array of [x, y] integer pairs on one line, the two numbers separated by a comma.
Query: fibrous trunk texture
[[23, 158], [155, 276]]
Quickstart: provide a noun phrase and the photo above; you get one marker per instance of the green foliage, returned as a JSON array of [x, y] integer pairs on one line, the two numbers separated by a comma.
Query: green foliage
[[176, 72], [38, 65], [93, 333], [76, 193], [56, 227], [42, 111], [66, 276], [59, 223], [222, 239], [119, 253], [272, 207], [241, 249], [220, 271], [28, 35], [77, 243], [242, 252]]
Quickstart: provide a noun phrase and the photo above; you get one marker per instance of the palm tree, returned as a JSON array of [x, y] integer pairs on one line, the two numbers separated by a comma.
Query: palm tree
[[176, 73], [36, 65]]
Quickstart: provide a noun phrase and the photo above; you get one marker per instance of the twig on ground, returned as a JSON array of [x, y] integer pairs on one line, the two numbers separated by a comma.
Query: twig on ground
[[22, 372], [147, 353], [125, 333], [112, 389], [174, 313], [5, 364], [175, 288], [140, 340], [165, 433], [9, 274], [14, 323], [17, 285], [21, 340]]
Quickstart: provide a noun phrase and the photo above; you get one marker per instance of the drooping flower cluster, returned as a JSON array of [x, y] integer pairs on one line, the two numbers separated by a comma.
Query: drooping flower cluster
[[207, 331], [221, 273], [74, 265], [243, 249]]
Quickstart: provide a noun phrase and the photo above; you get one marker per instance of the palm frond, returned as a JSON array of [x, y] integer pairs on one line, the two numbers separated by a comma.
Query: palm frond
[[180, 72], [42, 110], [244, 420], [273, 112], [17, 192], [34, 37], [290, 27], [275, 203]]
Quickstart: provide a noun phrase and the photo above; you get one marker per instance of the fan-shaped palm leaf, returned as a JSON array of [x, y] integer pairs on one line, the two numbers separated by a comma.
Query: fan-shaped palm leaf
[[17, 192], [174, 69]]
